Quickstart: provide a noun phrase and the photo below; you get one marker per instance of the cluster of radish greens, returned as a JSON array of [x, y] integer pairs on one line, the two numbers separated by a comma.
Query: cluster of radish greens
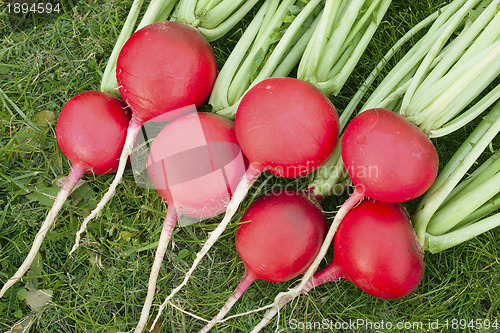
[[203, 164]]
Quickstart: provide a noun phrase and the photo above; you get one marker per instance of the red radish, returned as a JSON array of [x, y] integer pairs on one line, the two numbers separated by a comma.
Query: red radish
[[279, 238], [91, 131], [389, 156], [376, 249], [163, 67], [194, 164], [285, 126]]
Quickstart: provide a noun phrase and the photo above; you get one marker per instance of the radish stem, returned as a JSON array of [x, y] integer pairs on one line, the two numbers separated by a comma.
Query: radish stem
[[247, 279]]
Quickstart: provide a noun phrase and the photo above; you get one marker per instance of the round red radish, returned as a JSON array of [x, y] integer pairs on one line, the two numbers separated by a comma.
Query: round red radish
[[165, 66], [376, 248], [287, 126], [280, 236], [195, 163], [392, 159], [91, 131]]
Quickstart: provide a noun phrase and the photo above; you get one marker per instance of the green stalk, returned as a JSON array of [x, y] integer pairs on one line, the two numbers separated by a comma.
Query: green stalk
[[332, 171], [273, 20], [251, 61], [157, 10], [459, 208], [436, 244], [455, 170], [413, 57], [108, 82], [482, 174], [436, 47], [488, 208], [214, 18], [223, 27], [219, 97]]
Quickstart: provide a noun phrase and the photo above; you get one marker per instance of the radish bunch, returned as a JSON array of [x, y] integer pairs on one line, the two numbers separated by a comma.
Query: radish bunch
[[285, 126], [390, 160]]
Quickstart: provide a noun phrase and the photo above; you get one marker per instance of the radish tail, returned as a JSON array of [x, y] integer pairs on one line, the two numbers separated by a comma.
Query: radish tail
[[246, 281], [330, 273], [74, 176], [285, 297], [166, 233], [246, 182], [132, 132]]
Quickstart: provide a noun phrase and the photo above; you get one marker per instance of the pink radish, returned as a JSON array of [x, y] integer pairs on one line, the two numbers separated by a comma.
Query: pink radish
[[194, 163], [91, 131], [285, 126], [163, 67], [376, 249], [279, 238]]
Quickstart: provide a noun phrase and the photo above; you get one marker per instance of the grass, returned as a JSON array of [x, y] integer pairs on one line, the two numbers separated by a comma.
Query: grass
[[44, 61]]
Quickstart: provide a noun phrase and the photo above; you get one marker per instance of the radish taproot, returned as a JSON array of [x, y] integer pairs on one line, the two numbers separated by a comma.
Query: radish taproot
[[90, 131], [376, 249], [279, 237], [195, 163], [285, 126], [162, 67]]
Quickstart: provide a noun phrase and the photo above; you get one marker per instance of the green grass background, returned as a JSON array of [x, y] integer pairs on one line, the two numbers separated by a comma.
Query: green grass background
[[44, 61]]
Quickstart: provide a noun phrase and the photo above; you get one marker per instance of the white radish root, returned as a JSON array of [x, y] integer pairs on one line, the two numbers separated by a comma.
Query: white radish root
[[245, 282], [74, 176], [166, 233]]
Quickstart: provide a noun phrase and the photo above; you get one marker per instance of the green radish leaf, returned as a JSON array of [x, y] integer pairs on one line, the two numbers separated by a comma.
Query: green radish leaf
[[38, 299], [183, 253], [21, 294]]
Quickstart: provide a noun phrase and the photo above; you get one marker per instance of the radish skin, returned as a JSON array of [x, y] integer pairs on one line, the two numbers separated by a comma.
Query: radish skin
[[163, 67], [268, 122], [392, 158], [90, 132]]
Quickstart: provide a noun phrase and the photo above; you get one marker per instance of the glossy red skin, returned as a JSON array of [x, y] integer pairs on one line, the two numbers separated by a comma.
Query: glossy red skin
[[377, 250], [280, 236], [208, 194], [91, 131], [165, 66], [388, 155], [286, 125]]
